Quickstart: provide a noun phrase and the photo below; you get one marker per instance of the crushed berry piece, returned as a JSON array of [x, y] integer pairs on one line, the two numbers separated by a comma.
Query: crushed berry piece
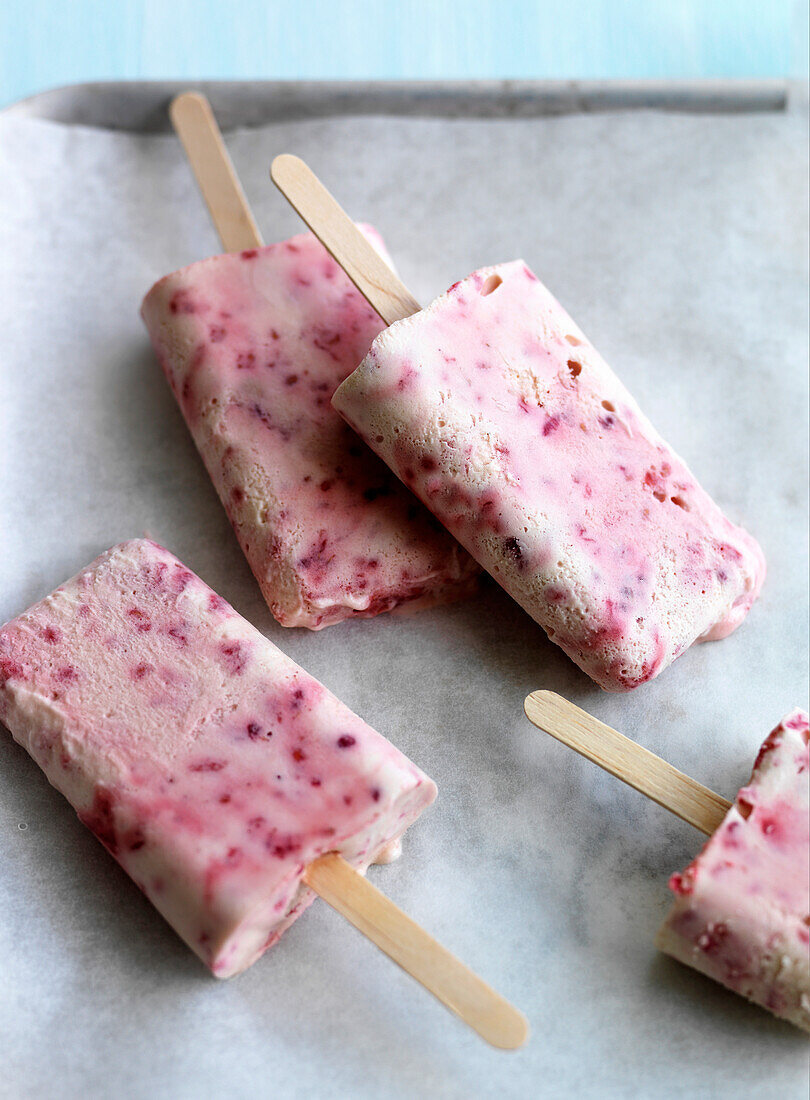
[[282, 848], [769, 825], [684, 882], [712, 939], [140, 619], [234, 656], [513, 549], [99, 819], [181, 303]]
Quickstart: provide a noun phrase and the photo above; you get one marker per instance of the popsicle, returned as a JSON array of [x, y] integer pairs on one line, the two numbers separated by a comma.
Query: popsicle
[[253, 344], [495, 409], [226, 781], [741, 913]]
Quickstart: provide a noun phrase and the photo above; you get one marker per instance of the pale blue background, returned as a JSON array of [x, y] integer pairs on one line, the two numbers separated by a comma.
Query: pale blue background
[[47, 43]]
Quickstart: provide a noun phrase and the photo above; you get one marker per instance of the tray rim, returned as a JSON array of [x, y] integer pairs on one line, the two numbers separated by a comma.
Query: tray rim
[[139, 105]]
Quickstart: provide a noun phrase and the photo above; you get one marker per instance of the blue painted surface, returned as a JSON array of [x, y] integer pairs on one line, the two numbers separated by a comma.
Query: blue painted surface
[[47, 43]]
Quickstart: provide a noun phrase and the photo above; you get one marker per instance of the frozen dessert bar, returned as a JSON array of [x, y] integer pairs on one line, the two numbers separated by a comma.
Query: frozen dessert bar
[[253, 345], [210, 765], [494, 408], [742, 909]]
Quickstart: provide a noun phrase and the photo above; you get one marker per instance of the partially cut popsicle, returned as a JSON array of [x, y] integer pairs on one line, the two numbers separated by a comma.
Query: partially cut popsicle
[[742, 908], [495, 409], [253, 344], [209, 764], [741, 913]]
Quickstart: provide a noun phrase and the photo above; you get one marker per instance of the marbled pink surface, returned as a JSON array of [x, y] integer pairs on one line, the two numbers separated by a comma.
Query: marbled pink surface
[[253, 345], [209, 764], [495, 409]]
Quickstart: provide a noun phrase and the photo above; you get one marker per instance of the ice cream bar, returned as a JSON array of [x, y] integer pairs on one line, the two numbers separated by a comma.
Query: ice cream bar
[[495, 409], [209, 764], [741, 913], [253, 345]]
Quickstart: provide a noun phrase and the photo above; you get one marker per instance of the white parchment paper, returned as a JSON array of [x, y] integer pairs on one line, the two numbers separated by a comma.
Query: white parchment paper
[[679, 243]]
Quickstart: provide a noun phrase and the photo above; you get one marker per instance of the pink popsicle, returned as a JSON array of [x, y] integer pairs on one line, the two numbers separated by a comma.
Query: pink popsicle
[[495, 409], [253, 345], [742, 908], [210, 765]]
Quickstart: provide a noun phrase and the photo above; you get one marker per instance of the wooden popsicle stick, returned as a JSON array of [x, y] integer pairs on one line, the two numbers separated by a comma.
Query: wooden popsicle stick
[[410, 946], [628, 761], [330, 876], [336, 231], [197, 129]]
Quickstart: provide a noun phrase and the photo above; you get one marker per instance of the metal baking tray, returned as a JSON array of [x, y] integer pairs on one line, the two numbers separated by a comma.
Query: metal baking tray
[[671, 221]]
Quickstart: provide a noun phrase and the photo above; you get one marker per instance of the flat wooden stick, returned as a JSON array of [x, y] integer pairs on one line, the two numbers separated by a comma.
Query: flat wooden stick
[[197, 129], [628, 761], [402, 940], [333, 227]]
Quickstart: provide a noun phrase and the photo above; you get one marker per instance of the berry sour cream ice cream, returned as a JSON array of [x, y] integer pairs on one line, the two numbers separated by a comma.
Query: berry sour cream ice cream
[[253, 345], [210, 765], [494, 408], [741, 913]]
